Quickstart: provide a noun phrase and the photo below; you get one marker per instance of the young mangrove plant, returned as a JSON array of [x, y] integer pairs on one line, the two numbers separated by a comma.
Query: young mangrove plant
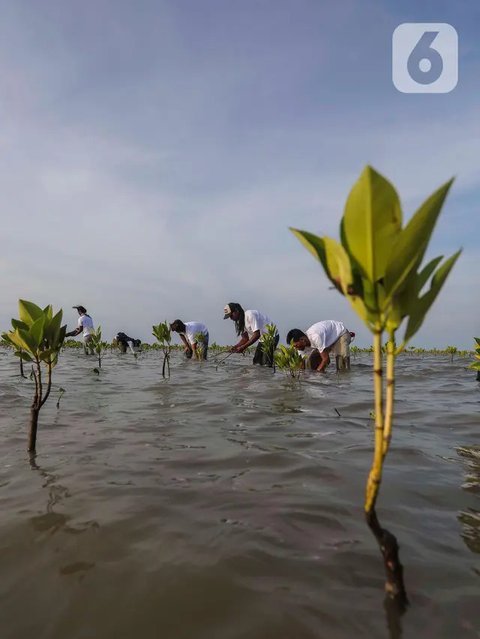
[[163, 335], [289, 361], [37, 337], [200, 340], [377, 267], [269, 344], [451, 350], [97, 345], [476, 365]]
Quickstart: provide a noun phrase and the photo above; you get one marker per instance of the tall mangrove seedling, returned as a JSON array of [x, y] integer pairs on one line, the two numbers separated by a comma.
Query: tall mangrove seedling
[[163, 335], [97, 345], [377, 266], [269, 343], [37, 337]]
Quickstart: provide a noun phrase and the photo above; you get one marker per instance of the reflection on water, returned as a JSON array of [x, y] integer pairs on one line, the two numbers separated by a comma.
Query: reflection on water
[[227, 503], [470, 519]]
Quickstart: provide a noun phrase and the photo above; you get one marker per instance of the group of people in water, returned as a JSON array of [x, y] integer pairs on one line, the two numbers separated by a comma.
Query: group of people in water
[[317, 343]]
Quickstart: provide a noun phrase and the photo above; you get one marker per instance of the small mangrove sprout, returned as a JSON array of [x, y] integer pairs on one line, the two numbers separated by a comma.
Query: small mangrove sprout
[[163, 335], [37, 337], [377, 267], [289, 361], [200, 339]]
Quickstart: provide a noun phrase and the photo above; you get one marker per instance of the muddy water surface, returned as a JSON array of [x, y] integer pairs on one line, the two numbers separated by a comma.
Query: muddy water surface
[[227, 504]]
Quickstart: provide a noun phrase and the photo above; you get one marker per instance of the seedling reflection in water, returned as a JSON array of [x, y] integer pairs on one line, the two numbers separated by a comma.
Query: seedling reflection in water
[[377, 267], [37, 337]]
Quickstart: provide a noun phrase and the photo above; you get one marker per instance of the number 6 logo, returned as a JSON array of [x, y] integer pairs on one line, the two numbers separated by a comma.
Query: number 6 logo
[[425, 58]]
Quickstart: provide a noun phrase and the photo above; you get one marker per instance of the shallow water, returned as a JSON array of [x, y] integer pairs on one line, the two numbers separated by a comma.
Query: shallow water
[[227, 503]]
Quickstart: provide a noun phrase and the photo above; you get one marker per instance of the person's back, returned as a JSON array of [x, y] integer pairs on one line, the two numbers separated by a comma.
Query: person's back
[[325, 333]]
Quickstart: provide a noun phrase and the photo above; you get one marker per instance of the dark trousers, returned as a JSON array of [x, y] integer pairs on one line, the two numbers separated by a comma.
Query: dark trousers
[[265, 358]]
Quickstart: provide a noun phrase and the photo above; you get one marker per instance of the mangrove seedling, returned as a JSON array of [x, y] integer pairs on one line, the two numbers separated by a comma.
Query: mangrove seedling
[[163, 335], [97, 345], [37, 337], [289, 361], [269, 344], [476, 365], [451, 350], [200, 349], [377, 267]]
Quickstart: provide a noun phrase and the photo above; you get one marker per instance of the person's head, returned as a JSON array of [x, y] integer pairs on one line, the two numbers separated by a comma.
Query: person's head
[[178, 326], [81, 310], [235, 312], [298, 339]]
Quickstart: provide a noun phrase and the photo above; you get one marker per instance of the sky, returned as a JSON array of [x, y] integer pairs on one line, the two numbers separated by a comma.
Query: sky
[[154, 154]]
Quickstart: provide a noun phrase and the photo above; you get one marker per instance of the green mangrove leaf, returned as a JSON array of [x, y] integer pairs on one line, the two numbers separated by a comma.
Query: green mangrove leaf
[[48, 312], [316, 246], [29, 312], [22, 340], [25, 356], [371, 222], [419, 311], [36, 331], [52, 328], [412, 242], [338, 264], [18, 324]]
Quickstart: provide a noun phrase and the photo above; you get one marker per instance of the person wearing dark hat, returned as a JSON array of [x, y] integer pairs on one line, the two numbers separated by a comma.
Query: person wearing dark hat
[[85, 325], [250, 325], [321, 339], [195, 337], [123, 341]]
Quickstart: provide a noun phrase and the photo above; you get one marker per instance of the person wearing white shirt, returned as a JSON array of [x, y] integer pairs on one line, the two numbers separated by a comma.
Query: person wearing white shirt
[[250, 325], [85, 326], [321, 339], [195, 337]]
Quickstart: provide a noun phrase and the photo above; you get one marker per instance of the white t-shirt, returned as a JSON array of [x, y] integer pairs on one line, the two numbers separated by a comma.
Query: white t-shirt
[[192, 328], [85, 322], [256, 321], [324, 334]]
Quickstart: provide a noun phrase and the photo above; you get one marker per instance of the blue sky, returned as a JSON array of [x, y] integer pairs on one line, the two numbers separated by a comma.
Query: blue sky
[[155, 153]]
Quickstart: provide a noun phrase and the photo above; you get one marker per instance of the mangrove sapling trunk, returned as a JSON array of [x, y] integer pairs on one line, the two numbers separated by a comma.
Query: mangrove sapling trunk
[[377, 266]]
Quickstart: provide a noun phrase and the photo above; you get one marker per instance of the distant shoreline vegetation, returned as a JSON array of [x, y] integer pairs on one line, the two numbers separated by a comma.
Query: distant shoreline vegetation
[[410, 350]]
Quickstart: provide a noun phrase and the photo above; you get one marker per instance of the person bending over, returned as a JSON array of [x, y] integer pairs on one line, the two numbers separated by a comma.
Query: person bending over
[[194, 335], [250, 326], [123, 342], [85, 325], [320, 340]]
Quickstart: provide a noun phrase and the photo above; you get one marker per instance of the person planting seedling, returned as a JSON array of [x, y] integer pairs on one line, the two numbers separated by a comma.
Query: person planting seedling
[[250, 325], [37, 337], [377, 266], [85, 325], [194, 336], [319, 341]]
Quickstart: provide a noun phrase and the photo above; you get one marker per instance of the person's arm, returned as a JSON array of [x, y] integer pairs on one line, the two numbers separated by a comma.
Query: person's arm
[[74, 333], [243, 340], [324, 360], [185, 341], [241, 347]]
